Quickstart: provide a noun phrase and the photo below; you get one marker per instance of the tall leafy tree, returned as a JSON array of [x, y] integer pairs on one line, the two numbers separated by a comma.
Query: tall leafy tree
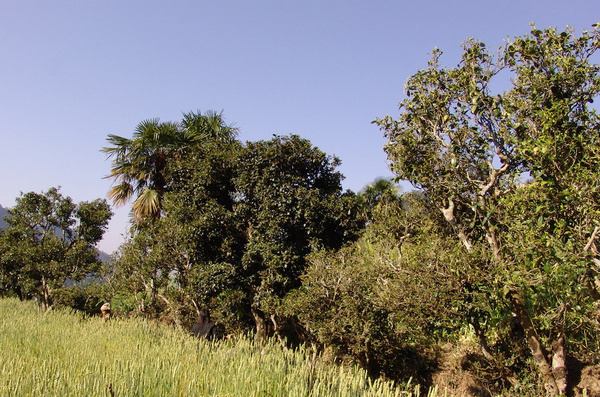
[[471, 149], [50, 240], [290, 198], [239, 221]]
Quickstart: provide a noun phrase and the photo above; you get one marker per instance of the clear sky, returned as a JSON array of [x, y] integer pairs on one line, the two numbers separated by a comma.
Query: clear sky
[[72, 72]]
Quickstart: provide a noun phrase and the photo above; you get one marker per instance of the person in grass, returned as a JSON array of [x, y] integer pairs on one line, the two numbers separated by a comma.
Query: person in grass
[[105, 311], [204, 328]]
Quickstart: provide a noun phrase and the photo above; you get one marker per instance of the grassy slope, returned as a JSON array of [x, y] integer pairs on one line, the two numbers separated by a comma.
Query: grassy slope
[[61, 354]]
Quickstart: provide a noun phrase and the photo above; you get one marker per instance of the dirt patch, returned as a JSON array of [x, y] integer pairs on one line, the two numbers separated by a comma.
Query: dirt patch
[[452, 377], [459, 366], [589, 381]]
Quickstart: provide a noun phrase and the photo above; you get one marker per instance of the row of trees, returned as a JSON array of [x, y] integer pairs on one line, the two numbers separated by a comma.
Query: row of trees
[[500, 240], [220, 223]]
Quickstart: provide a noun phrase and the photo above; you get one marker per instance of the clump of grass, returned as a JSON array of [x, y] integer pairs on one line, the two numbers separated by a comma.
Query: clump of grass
[[63, 354]]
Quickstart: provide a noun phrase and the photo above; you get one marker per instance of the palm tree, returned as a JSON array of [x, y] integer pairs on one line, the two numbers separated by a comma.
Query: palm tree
[[138, 164], [379, 192], [208, 126]]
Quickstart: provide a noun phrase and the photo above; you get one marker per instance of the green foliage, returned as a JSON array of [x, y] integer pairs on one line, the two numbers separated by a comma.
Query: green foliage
[[238, 222], [384, 301], [470, 150], [377, 194], [139, 164], [290, 197], [50, 241], [553, 217]]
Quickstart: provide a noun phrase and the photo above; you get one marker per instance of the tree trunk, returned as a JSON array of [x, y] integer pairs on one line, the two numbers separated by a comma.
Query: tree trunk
[[173, 309], [537, 350], [46, 300], [449, 216], [262, 327], [559, 365], [278, 330], [493, 242], [592, 280], [483, 345]]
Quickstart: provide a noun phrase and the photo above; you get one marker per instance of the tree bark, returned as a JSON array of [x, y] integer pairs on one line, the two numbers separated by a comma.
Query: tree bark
[[176, 317], [537, 349], [592, 280], [449, 216], [483, 345], [559, 364], [493, 242], [278, 330], [46, 300], [262, 328]]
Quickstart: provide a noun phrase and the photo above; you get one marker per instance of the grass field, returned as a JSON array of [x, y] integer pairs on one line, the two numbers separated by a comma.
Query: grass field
[[63, 354]]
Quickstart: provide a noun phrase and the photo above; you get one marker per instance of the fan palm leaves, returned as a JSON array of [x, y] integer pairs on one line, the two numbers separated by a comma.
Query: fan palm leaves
[[380, 190], [377, 193], [138, 163], [208, 126]]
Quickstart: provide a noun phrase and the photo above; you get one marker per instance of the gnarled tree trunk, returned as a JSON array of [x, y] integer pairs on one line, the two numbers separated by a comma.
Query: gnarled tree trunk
[[540, 355]]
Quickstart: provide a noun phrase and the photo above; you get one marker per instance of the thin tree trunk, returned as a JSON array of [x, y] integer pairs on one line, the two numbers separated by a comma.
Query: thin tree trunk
[[45, 294], [493, 242], [559, 364], [262, 331], [173, 310], [483, 345], [196, 308], [277, 329], [592, 280], [537, 350]]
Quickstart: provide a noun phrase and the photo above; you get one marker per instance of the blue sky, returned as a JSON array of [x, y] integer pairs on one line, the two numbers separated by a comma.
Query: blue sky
[[72, 72]]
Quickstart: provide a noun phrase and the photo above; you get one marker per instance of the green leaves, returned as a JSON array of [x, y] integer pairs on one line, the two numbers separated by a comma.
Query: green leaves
[[139, 164], [50, 240], [514, 173], [238, 221]]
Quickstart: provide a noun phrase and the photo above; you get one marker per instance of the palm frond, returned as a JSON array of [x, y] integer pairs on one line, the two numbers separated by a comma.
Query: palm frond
[[209, 125], [120, 146], [147, 204], [121, 193], [145, 129]]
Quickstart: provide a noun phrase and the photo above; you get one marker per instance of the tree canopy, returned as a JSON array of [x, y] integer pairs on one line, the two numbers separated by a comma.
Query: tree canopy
[[138, 163], [50, 240], [515, 174], [238, 221]]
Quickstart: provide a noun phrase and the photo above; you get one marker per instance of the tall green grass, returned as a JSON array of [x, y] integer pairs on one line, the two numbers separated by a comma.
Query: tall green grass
[[63, 354]]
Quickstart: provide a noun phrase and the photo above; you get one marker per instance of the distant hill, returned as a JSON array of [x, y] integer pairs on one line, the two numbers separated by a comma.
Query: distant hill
[[102, 256], [3, 213]]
